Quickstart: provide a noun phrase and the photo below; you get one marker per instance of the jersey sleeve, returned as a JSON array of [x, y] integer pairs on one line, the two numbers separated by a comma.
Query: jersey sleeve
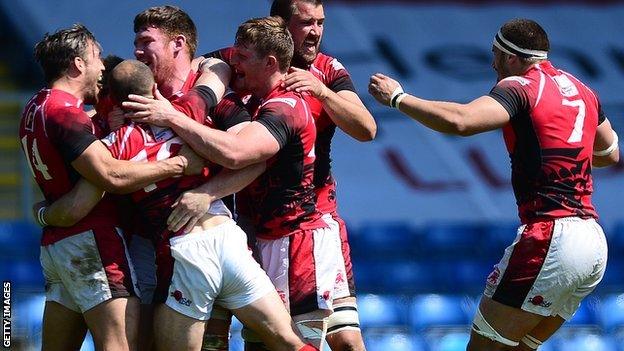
[[193, 105], [339, 78], [601, 115], [229, 112], [71, 131], [511, 94], [277, 122], [224, 54]]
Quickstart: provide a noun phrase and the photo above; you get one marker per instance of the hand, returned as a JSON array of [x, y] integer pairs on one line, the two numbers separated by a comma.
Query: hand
[[381, 88], [194, 163], [157, 111], [116, 119], [303, 81], [189, 208]]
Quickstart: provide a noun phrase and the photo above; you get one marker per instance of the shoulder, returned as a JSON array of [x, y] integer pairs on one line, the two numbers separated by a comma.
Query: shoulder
[[327, 64]]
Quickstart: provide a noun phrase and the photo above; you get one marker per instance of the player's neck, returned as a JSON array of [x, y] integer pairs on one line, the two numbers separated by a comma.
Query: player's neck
[[69, 85], [269, 84], [175, 80]]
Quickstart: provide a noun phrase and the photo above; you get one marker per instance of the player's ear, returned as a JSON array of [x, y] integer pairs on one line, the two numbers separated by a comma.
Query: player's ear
[[79, 64], [271, 62], [179, 42]]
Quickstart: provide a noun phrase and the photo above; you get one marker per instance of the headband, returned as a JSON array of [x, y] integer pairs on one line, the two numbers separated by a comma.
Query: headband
[[512, 49]]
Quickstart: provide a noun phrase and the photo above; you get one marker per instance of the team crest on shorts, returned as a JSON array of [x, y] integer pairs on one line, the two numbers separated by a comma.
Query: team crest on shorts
[[178, 296], [538, 300]]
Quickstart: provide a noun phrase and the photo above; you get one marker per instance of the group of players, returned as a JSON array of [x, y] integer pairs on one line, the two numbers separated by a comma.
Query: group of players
[[257, 119]]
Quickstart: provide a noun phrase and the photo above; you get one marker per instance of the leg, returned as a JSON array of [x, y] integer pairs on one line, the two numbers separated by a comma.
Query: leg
[[268, 317], [343, 333], [145, 340], [313, 326], [544, 330], [501, 327], [63, 329], [217, 333], [114, 323], [175, 331]]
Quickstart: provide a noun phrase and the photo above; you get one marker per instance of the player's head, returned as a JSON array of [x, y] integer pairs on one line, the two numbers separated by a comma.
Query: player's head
[[73, 53], [305, 20], [263, 47], [130, 77], [518, 44], [164, 34]]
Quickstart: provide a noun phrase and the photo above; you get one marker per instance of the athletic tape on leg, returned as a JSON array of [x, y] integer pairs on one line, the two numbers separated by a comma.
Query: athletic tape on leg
[[344, 317], [531, 342], [483, 328], [310, 331]]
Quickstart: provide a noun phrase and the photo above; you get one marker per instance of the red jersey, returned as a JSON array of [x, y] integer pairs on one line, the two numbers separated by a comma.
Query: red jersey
[[333, 74], [282, 200], [550, 139], [142, 142], [54, 131]]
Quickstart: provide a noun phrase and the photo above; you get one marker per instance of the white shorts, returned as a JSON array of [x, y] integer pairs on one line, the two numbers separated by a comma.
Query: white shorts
[[307, 268], [143, 257], [550, 267], [214, 266], [88, 268]]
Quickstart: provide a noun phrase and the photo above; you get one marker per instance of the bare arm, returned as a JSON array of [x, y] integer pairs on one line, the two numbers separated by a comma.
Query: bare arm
[[605, 138], [193, 204], [97, 165], [215, 74], [70, 208], [480, 115], [344, 107]]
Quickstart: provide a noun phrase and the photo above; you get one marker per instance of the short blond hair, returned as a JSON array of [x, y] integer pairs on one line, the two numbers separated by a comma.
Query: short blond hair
[[269, 36]]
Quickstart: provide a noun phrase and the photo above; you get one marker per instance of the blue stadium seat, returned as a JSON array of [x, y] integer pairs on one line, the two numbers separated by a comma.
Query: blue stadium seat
[[611, 313], [384, 239], [586, 313], [452, 240], [382, 310], [585, 342], [428, 311], [394, 342], [463, 275], [19, 239], [454, 341], [393, 276], [23, 273], [498, 235], [612, 280]]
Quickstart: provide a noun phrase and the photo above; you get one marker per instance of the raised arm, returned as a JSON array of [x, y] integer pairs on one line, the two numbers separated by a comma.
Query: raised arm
[[480, 115], [344, 107], [606, 149]]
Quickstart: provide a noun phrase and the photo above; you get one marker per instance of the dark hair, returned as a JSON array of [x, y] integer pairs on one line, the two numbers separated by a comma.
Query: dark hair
[[55, 52], [526, 34], [268, 36], [130, 77], [286, 8], [172, 21], [110, 62]]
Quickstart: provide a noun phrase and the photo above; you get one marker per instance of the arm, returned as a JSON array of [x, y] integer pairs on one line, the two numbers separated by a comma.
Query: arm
[[344, 107], [98, 166], [73, 206], [193, 204], [215, 74], [605, 140], [480, 115]]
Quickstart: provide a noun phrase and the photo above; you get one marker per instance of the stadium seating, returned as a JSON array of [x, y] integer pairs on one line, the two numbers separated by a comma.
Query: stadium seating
[[394, 342], [611, 313], [454, 341], [384, 239], [584, 342], [433, 310], [382, 310], [447, 239]]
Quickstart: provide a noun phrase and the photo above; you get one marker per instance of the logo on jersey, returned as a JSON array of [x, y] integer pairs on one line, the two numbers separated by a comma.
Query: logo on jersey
[[522, 81], [161, 134], [492, 279], [538, 300], [178, 296], [110, 139], [566, 87]]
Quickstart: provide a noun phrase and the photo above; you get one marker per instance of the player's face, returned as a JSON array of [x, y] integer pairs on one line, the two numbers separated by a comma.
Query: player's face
[[94, 68], [248, 70], [306, 28], [500, 64], [156, 49]]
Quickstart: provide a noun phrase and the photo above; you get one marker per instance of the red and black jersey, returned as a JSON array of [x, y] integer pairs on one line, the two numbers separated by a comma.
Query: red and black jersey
[[142, 142], [54, 131], [333, 74], [282, 200], [550, 139]]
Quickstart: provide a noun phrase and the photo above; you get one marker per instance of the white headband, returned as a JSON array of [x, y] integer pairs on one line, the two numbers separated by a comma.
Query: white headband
[[512, 49]]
